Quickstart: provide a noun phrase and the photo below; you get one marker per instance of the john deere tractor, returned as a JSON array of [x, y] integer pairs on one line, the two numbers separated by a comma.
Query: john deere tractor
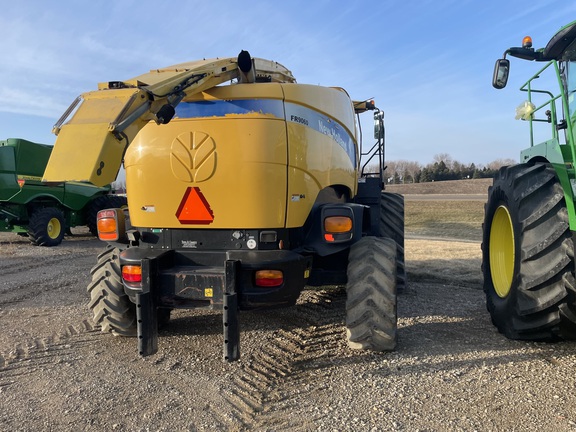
[[243, 187], [530, 217]]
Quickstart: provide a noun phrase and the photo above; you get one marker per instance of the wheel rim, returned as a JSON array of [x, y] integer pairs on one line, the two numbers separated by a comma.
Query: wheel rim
[[502, 251], [54, 228]]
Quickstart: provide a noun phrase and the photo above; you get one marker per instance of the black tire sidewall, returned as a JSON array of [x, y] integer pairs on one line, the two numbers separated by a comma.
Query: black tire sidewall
[[38, 226], [501, 309]]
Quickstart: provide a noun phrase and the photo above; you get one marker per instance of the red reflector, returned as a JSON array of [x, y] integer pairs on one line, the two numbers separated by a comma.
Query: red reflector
[[194, 208], [21, 182], [132, 273], [328, 237], [109, 213], [269, 278]]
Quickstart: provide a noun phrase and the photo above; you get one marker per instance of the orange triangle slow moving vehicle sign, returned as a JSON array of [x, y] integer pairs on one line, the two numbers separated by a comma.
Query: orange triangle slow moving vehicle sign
[[194, 209]]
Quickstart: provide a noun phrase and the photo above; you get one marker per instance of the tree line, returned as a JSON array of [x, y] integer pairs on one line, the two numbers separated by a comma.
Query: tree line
[[443, 168]]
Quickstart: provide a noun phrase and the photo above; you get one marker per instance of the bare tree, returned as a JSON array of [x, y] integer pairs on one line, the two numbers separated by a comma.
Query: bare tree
[[446, 158], [499, 163], [412, 168]]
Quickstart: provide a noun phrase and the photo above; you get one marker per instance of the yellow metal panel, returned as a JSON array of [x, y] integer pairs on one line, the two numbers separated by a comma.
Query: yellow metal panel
[[85, 150], [71, 159], [112, 116], [316, 162], [240, 91], [243, 177], [334, 102], [322, 146]]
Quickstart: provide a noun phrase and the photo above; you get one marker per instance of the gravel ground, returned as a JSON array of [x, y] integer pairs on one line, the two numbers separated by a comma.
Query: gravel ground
[[451, 370]]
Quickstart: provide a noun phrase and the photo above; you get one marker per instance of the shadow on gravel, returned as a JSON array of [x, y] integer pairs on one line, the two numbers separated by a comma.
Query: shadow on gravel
[[455, 271], [209, 322]]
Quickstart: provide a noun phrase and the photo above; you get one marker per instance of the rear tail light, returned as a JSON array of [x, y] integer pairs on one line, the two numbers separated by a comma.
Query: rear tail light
[[337, 224], [269, 278], [132, 273], [337, 228], [111, 224]]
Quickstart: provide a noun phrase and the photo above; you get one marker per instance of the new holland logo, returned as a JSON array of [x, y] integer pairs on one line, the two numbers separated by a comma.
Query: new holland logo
[[194, 208], [193, 157]]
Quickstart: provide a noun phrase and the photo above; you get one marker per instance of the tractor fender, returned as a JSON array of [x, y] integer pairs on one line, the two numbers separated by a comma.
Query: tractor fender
[[560, 166]]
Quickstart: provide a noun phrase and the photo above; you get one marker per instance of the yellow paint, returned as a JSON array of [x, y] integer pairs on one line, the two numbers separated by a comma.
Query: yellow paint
[[247, 166], [54, 228], [91, 143], [502, 253], [85, 150]]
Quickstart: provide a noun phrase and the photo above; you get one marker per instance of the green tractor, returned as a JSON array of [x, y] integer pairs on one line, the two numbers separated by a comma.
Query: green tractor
[[530, 217], [42, 211]]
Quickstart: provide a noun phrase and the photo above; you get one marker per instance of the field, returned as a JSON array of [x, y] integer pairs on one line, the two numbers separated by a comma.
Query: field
[[451, 209], [458, 220], [460, 187], [443, 228]]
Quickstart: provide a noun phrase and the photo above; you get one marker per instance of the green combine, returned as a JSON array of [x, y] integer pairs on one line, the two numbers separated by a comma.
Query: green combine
[[530, 218], [44, 212]]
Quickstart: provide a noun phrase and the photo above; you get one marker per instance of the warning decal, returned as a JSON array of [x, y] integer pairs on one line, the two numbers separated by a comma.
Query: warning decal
[[194, 209]]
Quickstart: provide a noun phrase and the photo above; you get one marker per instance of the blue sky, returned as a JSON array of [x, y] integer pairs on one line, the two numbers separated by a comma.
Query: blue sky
[[428, 64]]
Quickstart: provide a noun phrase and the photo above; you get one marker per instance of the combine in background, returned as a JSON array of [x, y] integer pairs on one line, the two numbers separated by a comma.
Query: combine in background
[[44, 211]]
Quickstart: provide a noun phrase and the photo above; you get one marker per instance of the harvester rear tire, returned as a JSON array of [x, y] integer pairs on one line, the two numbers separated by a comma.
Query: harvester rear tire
[[392, 226], [528, 255], [101, 203], [111, 308], [47, 227], [371, 318]]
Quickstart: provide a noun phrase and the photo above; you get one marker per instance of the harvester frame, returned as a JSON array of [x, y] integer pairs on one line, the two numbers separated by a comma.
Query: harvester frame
[[239, 196]]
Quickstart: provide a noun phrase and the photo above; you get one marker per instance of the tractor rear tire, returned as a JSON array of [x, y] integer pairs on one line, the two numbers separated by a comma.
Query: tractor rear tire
[[111, 308], [528, 255], [101, 203], [371, 318], [392, 226], [47, 227]]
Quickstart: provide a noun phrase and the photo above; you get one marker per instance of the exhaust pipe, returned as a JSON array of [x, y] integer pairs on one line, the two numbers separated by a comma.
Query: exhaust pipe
[[246, 66]]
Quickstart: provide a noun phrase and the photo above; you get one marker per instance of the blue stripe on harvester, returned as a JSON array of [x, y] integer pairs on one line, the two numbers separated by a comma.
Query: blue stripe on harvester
[[220, 108], [295, 113]]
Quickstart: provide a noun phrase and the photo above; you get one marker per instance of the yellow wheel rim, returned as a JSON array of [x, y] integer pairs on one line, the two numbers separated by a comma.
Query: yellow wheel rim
[[54, 228], [502, 251]]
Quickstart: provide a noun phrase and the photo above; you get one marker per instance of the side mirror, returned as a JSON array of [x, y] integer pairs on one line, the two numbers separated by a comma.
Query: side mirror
[[378, 125], [501, 71]]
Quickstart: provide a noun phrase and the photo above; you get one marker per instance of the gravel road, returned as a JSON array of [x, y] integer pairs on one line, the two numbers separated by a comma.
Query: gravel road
[[451, 371]]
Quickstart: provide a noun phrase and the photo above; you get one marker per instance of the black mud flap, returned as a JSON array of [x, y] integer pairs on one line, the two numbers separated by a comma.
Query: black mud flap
[[230, 313], [146, 314]]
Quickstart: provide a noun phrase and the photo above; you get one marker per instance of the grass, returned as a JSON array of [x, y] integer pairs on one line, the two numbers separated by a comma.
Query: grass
[[450, 253], [460, 187], [458, 219]]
